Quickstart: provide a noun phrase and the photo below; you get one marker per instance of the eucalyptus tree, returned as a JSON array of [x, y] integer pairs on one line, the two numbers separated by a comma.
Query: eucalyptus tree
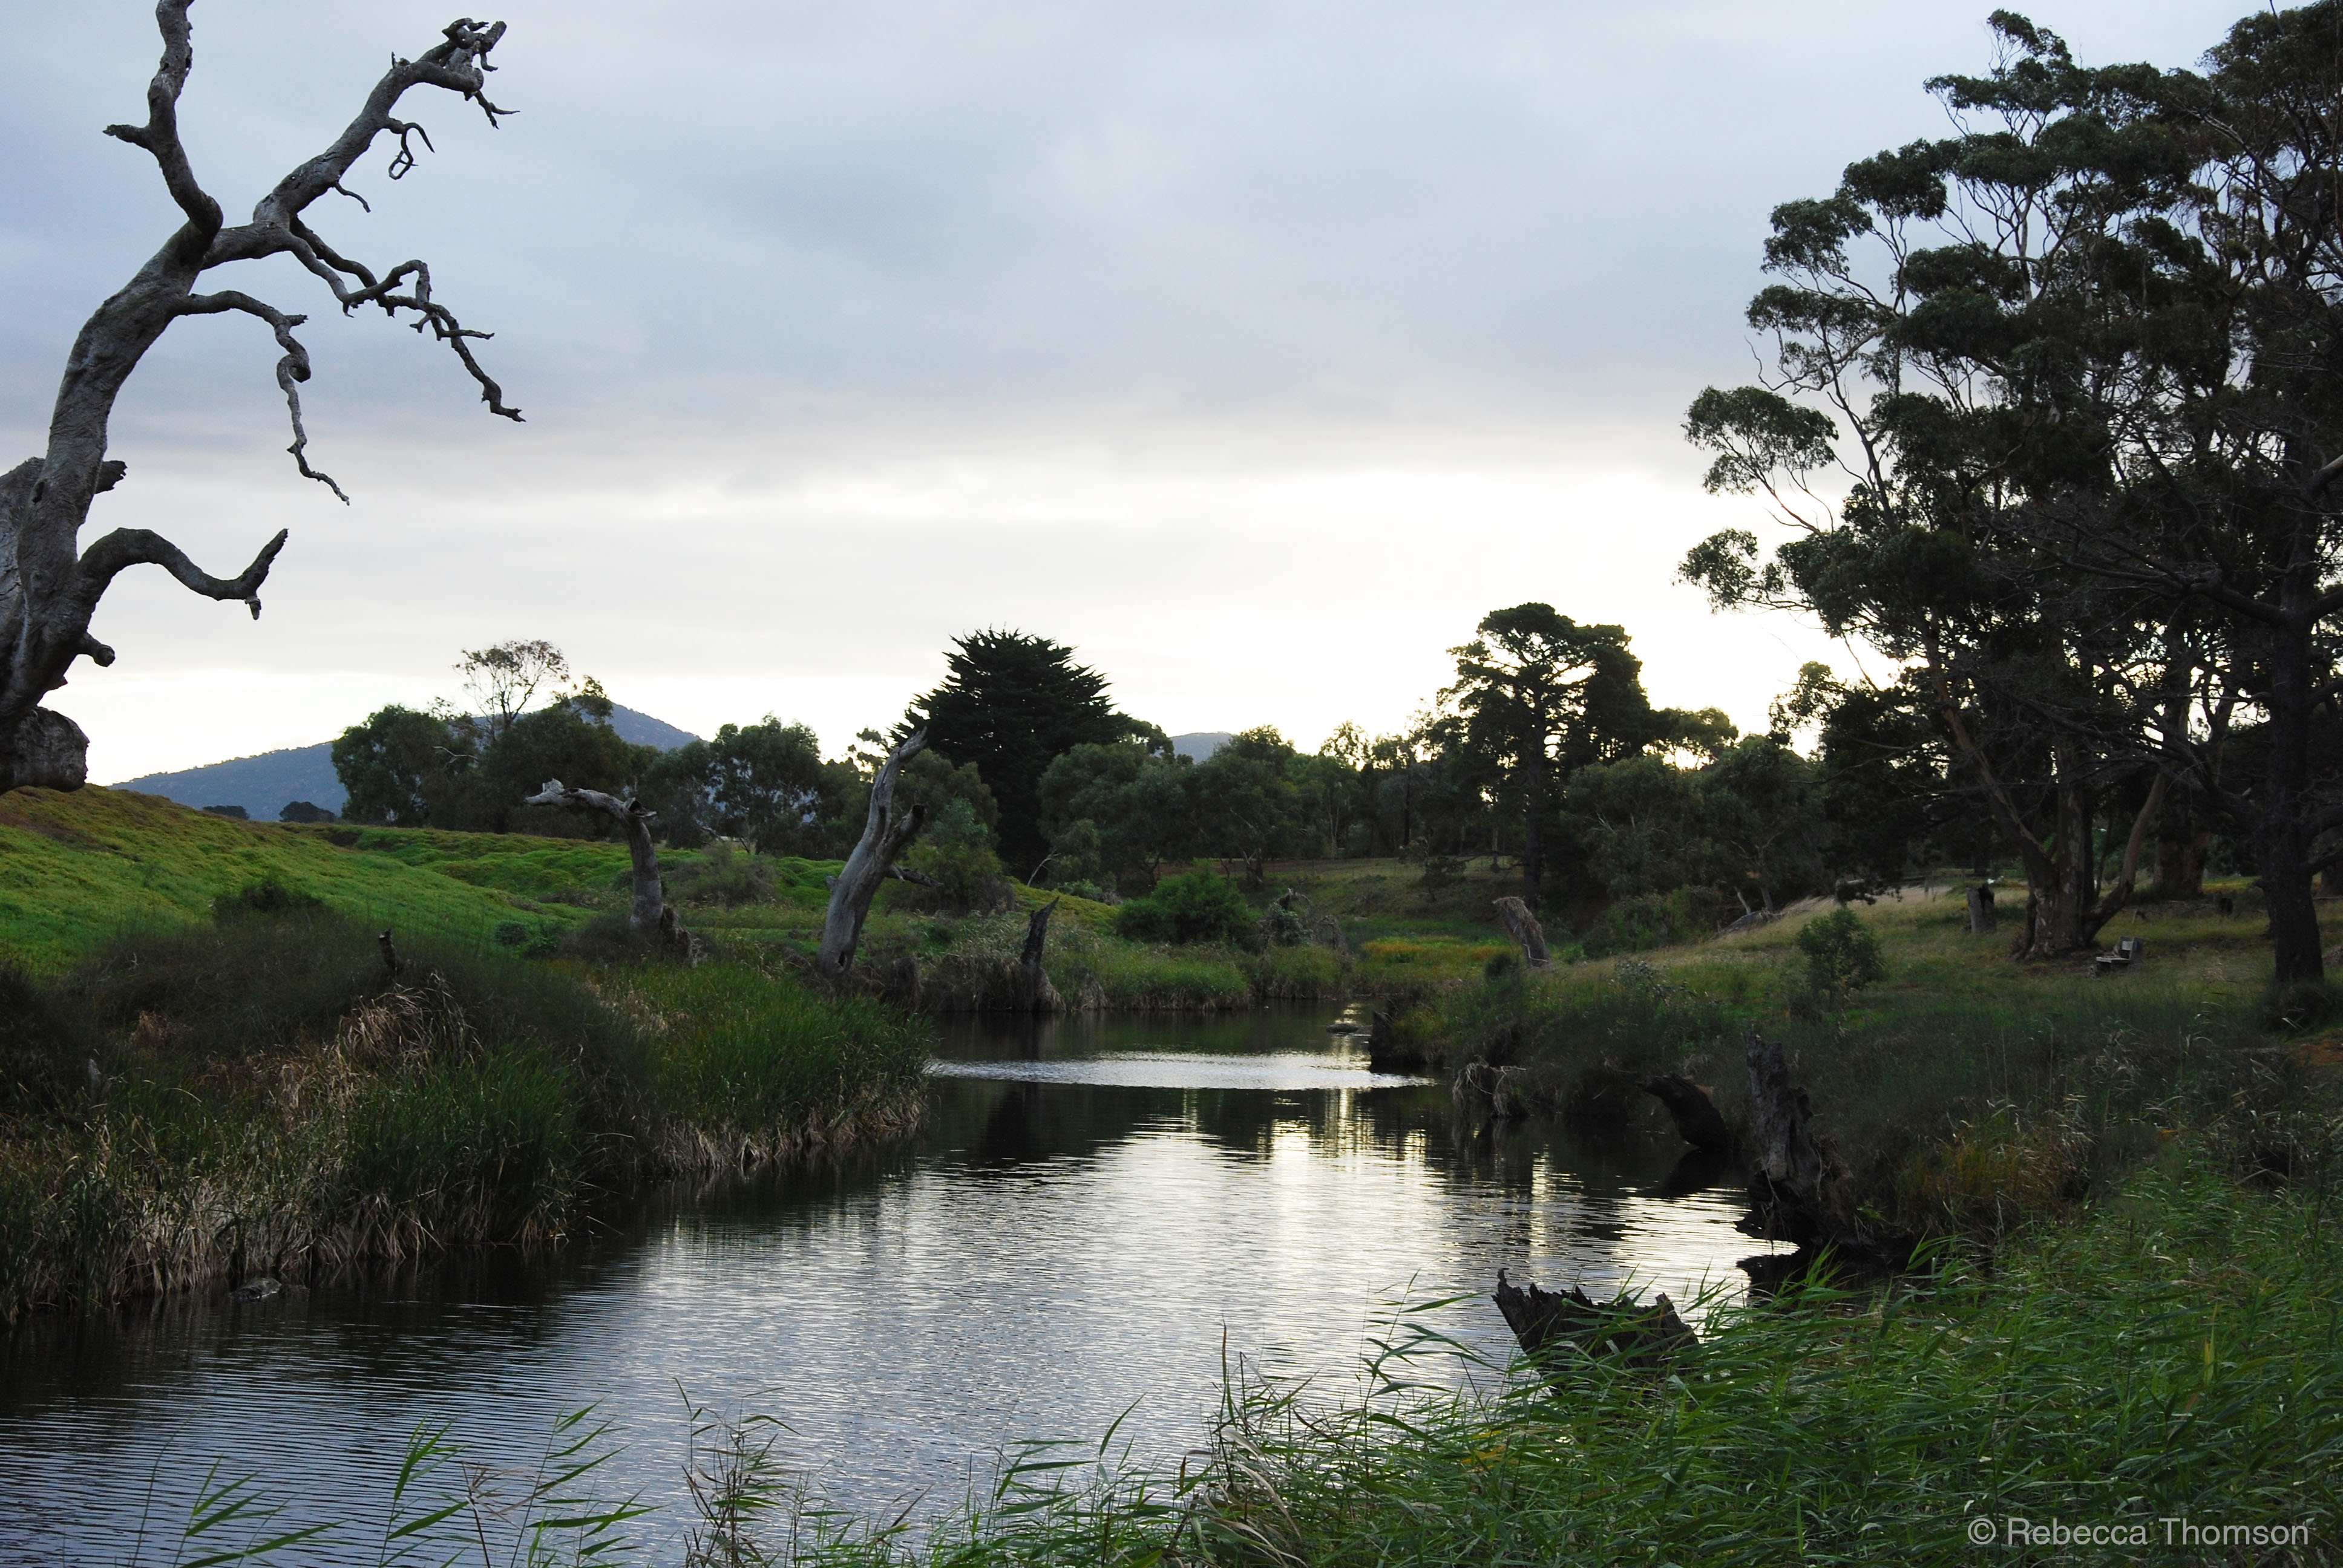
[[50, 586], [1953, 339]]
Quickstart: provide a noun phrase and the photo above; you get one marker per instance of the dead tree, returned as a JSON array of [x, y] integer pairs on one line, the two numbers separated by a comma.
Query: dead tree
[[1525, 930], [1034, 991], [49, 585], [636, 820], [885, 834]]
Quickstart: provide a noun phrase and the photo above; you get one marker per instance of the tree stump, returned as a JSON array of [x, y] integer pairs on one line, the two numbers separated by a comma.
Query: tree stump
[[1800, 1188], [1525, 930], [1980, 910], [1644, 1335], [1034, 992]]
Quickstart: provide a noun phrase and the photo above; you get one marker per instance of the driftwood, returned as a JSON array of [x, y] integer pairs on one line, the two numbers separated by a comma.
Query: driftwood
[[886, 832], [1504, 1088], [1800, 1188], [1698, 1121], [1643, 1335], [1525, 930], [1034, 991], [636, 820]]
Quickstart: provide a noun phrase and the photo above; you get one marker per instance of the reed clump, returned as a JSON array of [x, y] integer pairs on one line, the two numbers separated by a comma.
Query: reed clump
[[262, 1095]]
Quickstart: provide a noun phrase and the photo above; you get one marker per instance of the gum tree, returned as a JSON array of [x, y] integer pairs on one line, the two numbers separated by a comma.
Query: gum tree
[[50, 585]]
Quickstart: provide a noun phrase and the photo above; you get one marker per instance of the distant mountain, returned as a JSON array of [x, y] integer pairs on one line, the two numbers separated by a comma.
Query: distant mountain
[[264, 785], [1202, 744]]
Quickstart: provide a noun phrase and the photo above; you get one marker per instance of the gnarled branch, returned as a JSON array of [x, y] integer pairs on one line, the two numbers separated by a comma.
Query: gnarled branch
[[143, 547], [636, 819], [291, 370]]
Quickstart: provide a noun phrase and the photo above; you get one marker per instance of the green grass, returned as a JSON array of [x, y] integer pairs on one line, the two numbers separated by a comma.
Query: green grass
[[77, 868]]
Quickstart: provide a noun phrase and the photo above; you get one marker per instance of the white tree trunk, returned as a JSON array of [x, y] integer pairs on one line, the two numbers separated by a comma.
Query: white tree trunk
[[885, 833]]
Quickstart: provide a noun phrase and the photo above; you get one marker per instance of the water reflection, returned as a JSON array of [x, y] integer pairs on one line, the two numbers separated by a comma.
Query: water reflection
[[1048, 1251]]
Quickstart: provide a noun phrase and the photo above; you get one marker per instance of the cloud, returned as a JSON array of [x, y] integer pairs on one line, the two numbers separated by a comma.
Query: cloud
[[1258, 347]]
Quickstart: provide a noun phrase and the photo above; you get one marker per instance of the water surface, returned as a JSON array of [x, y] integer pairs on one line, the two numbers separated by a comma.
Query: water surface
[[1095, 1208]]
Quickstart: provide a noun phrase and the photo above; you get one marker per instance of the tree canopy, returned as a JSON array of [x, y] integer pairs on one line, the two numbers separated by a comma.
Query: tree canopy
[[1010, 703]]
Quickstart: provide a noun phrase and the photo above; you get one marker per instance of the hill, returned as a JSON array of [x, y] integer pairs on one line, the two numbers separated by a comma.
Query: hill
[[263, 785], [1196, 748]]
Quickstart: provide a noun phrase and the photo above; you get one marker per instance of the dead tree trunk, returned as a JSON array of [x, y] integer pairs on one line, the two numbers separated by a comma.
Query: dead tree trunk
[[1981, 918], [1525, 930], [885, 833], [1034, 991], [49, 585], [1800, 1188], [636, 819]]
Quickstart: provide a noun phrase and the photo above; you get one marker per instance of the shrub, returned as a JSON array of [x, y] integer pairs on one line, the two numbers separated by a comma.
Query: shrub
[[1650, 920], [1197, 908], [721, 875], [1842, 958]]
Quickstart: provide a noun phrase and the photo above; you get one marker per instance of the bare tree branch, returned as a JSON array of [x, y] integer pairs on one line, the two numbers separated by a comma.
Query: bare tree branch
[[160, 134], [125, 548], [291, 370]]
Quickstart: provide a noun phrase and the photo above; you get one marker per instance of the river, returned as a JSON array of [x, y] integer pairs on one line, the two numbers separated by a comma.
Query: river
[[1095, 1211]]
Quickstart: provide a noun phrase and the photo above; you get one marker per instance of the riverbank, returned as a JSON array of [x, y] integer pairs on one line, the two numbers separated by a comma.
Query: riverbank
[[262, 1097], [1970, 1094]]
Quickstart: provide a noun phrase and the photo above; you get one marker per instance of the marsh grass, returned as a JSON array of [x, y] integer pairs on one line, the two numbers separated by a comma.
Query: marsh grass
[[752, 1066], [260, 1096]]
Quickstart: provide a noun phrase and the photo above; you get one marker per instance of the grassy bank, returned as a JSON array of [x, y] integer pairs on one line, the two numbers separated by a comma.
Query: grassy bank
[[258, 1094], [1968, 1091]]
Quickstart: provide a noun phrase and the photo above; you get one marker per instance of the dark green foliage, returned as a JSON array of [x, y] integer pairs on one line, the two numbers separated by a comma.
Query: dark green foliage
[[267, 896], [1196, 908], [1117, 812], [1841, 956], [303, 811], [1247, 806], [235, 813], [721, 875], [764, 783], [1651, 920], [956, 849], [390, 764], [1009, 704]]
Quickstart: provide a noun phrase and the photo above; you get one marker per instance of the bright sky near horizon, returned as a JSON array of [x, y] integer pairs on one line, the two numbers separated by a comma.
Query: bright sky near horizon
[[1255, 350]]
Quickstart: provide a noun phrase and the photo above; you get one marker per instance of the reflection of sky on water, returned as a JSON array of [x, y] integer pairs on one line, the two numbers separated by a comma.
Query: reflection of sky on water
[[1050, 1251], [1286, 1071]]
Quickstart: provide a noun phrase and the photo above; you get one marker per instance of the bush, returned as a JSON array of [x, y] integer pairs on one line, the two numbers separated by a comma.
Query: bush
[[1197, 908], [1842, 958], [1639, 924], [721, 875]]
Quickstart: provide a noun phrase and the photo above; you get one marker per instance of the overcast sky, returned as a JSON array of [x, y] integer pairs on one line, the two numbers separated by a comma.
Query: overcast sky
[[1256, 350]]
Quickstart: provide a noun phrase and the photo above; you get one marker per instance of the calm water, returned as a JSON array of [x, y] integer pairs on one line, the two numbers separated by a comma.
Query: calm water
[[1093, 1206]]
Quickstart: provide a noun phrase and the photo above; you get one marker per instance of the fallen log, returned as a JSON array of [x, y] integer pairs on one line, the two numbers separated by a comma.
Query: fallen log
[[1643, 1335]]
